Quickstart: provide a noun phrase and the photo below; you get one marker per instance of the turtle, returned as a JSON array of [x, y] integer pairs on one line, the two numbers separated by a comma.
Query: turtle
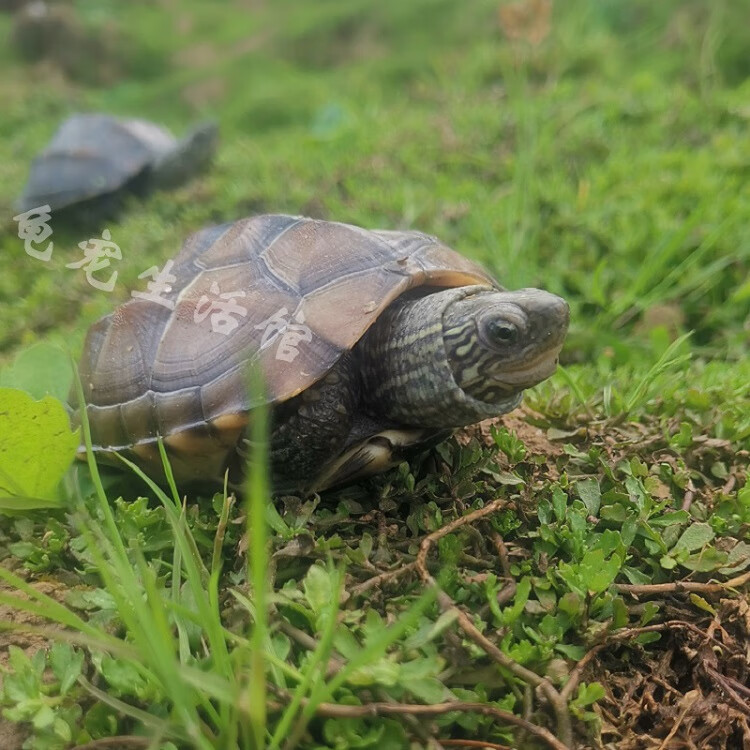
[[94, 157], [372, 345]]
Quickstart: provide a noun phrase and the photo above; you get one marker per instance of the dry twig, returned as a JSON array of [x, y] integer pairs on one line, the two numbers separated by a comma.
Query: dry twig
[[564, 727], [623, 635], [335, 663], [687, 702], [370, 583], [480, 744], [502, 553], [650, 589], [340, 711], [124, 742], [730, 688]]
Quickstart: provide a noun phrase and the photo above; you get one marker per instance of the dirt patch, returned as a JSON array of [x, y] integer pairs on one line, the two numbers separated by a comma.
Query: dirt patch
[[28, 641], [534, 438], [690, 691], [200, 55], [204, 93], [56, 35], [12, 735]]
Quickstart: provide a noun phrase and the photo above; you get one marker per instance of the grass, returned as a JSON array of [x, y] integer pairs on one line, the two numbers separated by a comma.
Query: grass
[[608, 164]]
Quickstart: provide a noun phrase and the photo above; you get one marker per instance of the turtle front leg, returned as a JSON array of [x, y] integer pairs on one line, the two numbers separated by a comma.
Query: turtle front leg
[[311, 429]]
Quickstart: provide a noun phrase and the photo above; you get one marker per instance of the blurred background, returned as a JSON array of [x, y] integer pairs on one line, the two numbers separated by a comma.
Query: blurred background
[[595, 148]]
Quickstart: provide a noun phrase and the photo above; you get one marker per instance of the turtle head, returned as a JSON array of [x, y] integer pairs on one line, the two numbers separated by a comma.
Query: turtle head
[[499, 343], [189, 156], [459, 355], [201, 142]]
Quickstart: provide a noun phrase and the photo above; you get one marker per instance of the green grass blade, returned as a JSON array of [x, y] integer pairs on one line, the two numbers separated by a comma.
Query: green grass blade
[[315, 667], [258, 494], [665, 362], [371, 652], [196, 575]]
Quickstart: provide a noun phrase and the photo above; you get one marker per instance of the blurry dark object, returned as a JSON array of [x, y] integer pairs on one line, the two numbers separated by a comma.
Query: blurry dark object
[[527, 20], [11, 5], [40, 29], [51, 31], [94, 158]]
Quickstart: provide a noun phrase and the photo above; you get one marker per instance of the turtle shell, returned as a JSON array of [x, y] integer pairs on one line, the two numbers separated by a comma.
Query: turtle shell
[[92, 155], [151, 370]]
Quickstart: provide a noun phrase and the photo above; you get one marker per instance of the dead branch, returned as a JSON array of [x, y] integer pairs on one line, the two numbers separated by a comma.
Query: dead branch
[[125, 742], [335, 663], [418, 728], [687, 701], [337, 711], [502, 553], [370, 583], [729, 687], [483, 744], [564, 727], [651, 589], [624, 635]]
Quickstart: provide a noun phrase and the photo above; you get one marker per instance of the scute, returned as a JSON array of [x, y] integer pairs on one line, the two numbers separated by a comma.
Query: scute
[[148, 370]]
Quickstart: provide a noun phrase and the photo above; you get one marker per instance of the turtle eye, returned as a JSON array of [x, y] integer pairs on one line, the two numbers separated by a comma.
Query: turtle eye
[[502, 332]]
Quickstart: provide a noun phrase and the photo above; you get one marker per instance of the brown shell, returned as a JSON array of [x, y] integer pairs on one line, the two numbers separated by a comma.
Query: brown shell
[[148, 370]]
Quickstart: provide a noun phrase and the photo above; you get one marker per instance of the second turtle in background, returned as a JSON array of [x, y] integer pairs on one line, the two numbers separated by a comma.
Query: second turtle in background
[[93, 158]]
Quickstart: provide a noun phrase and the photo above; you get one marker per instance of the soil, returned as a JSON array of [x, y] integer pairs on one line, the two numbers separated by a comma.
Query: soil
[[12, 735]]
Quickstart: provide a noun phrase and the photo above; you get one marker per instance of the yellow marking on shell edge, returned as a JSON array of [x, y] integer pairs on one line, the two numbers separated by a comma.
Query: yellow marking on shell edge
[[147, 452], [226, 430], [236, 421], [190, 442], [229, 427]]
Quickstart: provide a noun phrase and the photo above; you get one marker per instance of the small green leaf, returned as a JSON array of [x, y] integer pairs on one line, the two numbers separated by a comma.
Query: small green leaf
[[701, 603], [694, 537], [645, 638], [427, 689], [738, 559], [571, 603], [276, 522], [66, 664], [123, 677], [650, 610], [431, 630], [705, 561], [598, 573], [588, 694], [346, 643], [62, 729], [43, 718], [667, 562], [512, 613], [620, 615], [671, 518], [576, 653], [419, 677], [719, 470], [36, 444], [318, 588], [383, 671], [559, 503], [635, 576], [588, 490]]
